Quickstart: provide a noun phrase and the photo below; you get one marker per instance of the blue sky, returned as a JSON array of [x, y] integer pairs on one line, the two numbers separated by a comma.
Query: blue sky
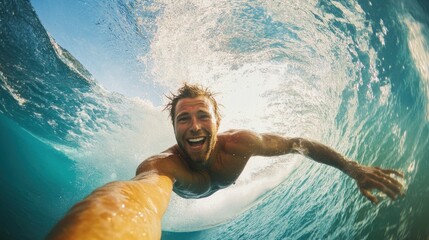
[[95, 34]]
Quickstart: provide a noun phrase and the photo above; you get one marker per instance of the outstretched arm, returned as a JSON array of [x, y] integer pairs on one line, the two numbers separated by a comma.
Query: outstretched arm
[[119, 210], [367, 178]]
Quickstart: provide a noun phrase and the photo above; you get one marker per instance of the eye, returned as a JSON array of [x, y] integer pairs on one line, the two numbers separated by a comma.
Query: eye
[[204, 116], [182, 119]]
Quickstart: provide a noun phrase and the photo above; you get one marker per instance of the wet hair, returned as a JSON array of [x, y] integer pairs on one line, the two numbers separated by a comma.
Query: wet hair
[[191, 91]]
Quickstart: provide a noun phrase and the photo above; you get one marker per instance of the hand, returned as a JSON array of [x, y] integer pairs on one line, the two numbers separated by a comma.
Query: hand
[[368, 178]]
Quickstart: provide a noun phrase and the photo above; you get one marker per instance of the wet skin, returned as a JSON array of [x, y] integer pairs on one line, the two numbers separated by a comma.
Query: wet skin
[[204, 161], [201, 163], [195, 128]]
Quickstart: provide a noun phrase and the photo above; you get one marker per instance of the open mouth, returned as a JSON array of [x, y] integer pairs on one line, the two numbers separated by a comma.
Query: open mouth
[[194, 142]]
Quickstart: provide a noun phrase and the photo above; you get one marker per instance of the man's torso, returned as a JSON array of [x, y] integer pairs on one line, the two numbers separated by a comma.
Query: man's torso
[[221, 171]]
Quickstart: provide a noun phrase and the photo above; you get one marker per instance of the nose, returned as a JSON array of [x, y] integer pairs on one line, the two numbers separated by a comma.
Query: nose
[[195, 125]]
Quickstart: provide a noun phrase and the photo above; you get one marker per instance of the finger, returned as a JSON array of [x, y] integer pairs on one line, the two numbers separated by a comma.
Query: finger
[[383, 189], [368, 195], [387, 180], [395, 185], [391, 183], [391, 171], [390, 193]]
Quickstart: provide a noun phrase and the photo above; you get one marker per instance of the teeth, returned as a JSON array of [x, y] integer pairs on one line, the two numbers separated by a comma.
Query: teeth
[[193, 140]]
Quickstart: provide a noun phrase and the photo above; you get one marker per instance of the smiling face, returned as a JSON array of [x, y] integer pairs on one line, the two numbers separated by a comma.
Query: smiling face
[[195, 128]]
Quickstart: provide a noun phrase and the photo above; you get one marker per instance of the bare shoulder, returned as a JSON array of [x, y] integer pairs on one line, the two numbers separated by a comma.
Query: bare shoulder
[[239, 135], [161, 163], [239, 140]]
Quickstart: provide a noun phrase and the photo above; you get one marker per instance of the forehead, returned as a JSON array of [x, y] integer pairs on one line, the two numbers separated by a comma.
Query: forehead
[[197, 103]]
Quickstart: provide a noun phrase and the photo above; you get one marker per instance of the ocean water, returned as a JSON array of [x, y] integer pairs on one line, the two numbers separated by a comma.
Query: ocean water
[[81, 105]]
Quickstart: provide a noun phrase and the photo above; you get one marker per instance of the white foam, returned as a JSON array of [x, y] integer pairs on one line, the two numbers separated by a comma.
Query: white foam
[[419, 48], [199, 214], [111, 149], [14, 93], [297, 95], [293, 90]]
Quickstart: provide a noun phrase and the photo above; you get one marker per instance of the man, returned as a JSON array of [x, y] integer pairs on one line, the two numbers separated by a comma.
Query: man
[[202, 162]]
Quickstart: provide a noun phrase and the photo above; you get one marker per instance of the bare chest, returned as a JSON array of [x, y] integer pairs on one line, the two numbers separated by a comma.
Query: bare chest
[[218, 175]]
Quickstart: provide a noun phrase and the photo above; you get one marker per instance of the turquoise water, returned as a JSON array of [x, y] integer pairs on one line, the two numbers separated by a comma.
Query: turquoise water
[[351, 74]]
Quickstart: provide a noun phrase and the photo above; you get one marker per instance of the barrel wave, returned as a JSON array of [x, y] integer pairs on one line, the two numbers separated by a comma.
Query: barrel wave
[[350, 74]]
